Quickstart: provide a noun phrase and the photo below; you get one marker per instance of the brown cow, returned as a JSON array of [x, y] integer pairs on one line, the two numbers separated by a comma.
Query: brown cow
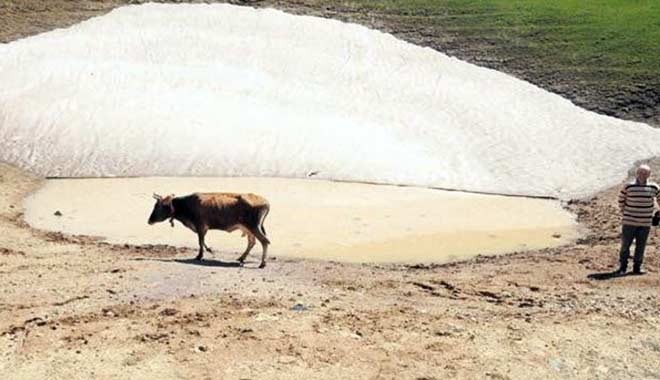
[[229, 212]]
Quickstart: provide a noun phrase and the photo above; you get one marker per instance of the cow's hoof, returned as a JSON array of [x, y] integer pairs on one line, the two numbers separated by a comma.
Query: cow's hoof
[[241, 263], [209, 250], [199, 257], [262, 265]]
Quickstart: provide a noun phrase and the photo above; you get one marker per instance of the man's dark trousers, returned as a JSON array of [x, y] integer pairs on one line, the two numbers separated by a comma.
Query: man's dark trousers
[[639, 235]]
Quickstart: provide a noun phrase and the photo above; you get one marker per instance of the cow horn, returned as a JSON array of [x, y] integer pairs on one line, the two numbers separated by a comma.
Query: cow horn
[[157, 197]]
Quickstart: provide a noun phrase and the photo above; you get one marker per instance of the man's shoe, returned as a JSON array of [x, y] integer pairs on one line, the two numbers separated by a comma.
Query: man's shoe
[[621, 271], [638, 270]]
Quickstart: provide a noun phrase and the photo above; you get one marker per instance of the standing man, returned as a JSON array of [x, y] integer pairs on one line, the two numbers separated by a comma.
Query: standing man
[[636, 204]]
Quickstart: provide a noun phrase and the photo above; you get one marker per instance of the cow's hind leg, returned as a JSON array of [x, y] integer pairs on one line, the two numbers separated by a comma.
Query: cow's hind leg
[[201, 233], [260, 234], [264, 244], [251, 241], [207, 248]]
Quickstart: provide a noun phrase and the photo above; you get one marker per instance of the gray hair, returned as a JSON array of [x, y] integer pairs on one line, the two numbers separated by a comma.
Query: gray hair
[[644, 168]]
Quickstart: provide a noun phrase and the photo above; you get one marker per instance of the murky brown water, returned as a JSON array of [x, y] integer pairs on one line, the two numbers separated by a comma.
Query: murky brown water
[[314, 219]]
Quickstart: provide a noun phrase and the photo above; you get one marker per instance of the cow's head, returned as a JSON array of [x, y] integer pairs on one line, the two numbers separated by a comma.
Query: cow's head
[[163, 209]]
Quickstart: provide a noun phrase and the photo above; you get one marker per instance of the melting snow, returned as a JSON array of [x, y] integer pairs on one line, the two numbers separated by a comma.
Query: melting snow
[[221, 90]]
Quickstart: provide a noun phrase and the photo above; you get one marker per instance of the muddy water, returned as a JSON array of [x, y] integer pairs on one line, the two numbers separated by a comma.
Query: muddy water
[[314, 219]]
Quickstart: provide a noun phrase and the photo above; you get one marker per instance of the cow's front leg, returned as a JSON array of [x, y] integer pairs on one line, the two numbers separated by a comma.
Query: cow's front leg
[[201, 232], [251, 241]]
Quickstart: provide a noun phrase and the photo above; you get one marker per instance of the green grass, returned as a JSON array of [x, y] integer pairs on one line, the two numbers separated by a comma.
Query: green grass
[[617, 36]]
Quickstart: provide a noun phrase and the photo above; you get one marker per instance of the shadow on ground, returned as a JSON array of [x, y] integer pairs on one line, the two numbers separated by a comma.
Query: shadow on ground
[[611, 275], [203, 262]]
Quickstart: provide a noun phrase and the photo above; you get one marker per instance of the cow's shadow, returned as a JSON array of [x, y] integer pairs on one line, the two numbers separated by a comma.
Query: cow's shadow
[[203, 262], [209, 263]]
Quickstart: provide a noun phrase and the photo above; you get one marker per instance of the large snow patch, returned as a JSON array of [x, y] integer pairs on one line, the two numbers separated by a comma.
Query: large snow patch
[[221, 90]]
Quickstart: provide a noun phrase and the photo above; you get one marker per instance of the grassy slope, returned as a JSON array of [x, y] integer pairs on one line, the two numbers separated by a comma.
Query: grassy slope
[[602, 54], [619, 36]]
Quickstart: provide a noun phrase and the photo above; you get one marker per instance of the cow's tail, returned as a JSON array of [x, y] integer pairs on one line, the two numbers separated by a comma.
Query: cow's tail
[[262, 216]]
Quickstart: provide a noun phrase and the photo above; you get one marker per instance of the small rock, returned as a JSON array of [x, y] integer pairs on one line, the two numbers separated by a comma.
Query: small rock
[[202, 349], [602, 369], [168, 312], [287, 359], [299, 307], [555, 364], [108, 313], [265, 317], [57, 213], [651, 345]]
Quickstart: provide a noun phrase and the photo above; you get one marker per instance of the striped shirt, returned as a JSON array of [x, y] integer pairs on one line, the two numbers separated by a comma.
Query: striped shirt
[[636, 203]]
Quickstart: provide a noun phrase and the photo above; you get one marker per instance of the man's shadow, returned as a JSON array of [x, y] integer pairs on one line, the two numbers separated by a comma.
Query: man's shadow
[[610, 275]]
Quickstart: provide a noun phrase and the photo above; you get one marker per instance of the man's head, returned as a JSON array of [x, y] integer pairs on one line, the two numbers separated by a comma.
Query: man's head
[[163, 209], [643, 173]]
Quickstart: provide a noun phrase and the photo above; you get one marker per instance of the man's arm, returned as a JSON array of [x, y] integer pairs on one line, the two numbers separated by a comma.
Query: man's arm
[[622, 197]]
